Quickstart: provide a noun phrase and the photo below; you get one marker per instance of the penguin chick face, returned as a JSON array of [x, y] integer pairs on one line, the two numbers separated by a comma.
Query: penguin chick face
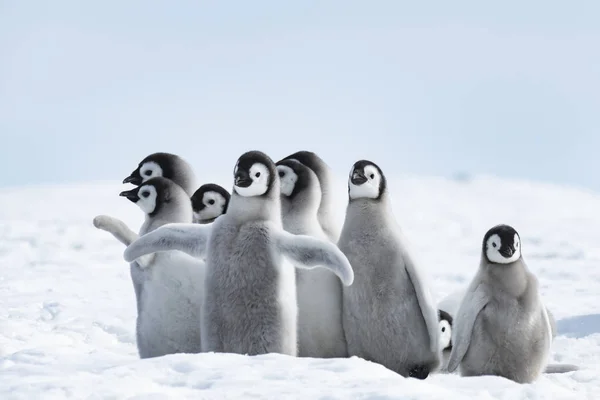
[[502, 245], [445, 327], [253, 174], [209, 202], [155, 165], [366, 181], [288, 179], [150, 196]]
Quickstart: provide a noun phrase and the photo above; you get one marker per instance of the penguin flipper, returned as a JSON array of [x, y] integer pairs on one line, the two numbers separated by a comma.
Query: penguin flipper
[[308, 252], [188, 238], [464, 320], [116, 227], [426, 303]]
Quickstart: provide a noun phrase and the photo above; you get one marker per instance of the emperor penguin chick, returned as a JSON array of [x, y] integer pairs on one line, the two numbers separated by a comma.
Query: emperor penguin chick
[[210, 201], [169, 285], [250, 305], [326, 205], [167, 165], [501, 327], [388, 314], [319, 291]]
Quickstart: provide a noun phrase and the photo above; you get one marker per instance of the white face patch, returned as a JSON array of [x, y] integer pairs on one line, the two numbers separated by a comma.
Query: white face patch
[[288, 180], [147, 198], [445, 334], [369, 189], [493, 250], [259, 173], [150, 170], [213, 206]]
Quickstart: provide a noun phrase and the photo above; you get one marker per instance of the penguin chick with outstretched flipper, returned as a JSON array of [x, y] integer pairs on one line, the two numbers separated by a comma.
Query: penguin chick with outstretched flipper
[[168, 284], [250, 304]]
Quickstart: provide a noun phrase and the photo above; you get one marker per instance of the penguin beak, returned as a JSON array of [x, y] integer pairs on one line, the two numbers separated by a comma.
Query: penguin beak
[[507, 251], [131, 195], [358, 178], [242, 179], [134, 178]]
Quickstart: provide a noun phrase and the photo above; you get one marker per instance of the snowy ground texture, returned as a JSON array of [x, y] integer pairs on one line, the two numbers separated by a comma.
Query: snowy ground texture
[[67, 308]]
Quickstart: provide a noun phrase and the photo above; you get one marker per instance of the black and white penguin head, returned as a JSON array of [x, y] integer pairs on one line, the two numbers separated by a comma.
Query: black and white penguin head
[[209, 202], [366, 181], [155, 194], [295, 177], [158, 164], [254, 174], [445, 326], [502, 245]]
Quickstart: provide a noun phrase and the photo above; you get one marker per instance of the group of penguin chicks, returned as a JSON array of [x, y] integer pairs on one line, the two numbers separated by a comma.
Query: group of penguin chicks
[[265, 269]]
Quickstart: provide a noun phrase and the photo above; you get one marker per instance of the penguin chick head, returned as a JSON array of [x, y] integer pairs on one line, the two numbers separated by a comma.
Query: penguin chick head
[[310, 159], [209, 202], [366, 181], [254, 174], [445, 327], [295, 177], [502, 245], [152, 195], [154, 165]]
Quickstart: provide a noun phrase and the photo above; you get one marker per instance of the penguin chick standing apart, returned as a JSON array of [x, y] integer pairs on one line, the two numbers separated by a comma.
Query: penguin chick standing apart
[[169, 285], [319, 291], [209, 202], [324, 175], [501, 327], [389, 317], [250, 305], [167, 165]]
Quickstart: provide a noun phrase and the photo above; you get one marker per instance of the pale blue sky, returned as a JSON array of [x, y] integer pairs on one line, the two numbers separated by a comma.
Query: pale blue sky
[[87, 89]]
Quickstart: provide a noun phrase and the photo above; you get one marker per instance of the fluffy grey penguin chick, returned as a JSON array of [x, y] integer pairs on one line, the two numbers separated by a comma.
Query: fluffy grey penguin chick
[[167, 165], [319, 291], [502, 327], [325, 177], [388, 314], [209, 202], [250, 305], [445, 330], [169, 284]]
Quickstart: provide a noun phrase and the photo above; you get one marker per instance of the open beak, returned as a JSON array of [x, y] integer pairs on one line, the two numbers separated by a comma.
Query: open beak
[[130, 194], [358, 178], [242, 179]]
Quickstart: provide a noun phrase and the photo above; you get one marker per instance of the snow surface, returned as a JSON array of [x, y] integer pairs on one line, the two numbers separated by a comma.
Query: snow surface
[[67, 307]]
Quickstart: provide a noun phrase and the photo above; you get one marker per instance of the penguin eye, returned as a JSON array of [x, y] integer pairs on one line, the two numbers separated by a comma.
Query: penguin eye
[[257, 174], [372, 176], [281, 174], [494, 245], [444, 329], [145, 194], [148, 173], [211, 202], [517, 244]]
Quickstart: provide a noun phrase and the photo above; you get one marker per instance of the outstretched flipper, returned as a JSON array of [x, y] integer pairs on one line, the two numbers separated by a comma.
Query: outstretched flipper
[[123, 234], [116, 227], [426, 303], [188, 238], [309, 252], [473, 302]]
